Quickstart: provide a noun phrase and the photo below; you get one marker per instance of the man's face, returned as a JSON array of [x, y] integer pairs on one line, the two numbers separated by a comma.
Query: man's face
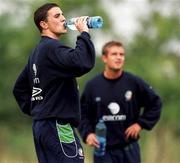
[[55, 21], [114, 59]]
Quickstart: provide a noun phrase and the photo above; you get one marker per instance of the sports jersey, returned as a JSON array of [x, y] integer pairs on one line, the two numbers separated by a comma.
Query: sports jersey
[[47, 86], [120, 103]]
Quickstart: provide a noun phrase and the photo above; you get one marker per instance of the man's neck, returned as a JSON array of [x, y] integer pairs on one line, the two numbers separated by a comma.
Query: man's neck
[[112, 74], [51, 35]]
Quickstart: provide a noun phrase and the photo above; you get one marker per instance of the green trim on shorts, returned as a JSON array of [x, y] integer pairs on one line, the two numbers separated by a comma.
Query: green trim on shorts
[[65, 133]]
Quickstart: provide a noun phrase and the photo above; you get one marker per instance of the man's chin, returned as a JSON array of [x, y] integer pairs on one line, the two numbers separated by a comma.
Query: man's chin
[[117, 69], [64, 32]]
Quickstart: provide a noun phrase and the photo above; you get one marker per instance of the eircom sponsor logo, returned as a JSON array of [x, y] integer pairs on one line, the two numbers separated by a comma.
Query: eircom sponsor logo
[[114, 109]]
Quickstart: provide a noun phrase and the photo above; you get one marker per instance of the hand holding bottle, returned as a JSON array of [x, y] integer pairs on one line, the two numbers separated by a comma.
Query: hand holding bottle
[[101, 137], [92, 140], [81, 24], [94, 22]]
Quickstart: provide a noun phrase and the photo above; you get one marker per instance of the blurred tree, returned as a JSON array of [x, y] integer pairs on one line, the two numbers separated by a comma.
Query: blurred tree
[[153, 54]]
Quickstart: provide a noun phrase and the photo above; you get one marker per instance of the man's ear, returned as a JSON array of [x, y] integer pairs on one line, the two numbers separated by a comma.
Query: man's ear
[[43, 25], [104, 58]]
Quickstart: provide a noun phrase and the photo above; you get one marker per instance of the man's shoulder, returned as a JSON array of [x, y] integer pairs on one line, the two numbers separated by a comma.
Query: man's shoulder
[[94, 80], [134, 78], [131, 75], [47, 41]]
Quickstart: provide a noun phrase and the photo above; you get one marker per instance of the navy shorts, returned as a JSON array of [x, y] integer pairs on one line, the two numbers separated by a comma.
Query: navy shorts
[[56, 143], [129, 154]]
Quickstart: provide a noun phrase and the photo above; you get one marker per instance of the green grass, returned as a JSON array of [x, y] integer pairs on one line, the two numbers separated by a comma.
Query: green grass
[[161, 145]]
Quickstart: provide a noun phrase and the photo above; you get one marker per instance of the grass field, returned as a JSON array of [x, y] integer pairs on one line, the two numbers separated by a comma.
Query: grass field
[[157, 146]]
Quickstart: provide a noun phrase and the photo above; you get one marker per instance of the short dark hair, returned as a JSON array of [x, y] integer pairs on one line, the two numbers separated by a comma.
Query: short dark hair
[[110, 44], [41, 13]]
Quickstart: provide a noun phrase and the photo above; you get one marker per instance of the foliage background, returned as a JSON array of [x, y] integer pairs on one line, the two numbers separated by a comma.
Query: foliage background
[[153, 53]]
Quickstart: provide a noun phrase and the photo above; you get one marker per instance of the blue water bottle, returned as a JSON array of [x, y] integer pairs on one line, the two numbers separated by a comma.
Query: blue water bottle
[[101, 137], [92, 22]]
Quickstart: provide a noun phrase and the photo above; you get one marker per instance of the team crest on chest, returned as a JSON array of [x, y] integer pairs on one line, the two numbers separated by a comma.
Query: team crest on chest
[[128, 95], [114, 107]]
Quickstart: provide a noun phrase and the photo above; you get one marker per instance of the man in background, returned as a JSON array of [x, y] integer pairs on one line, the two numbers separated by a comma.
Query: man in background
[[118, 97]]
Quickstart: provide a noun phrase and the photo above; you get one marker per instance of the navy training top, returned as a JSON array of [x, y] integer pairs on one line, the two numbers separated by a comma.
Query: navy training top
[[47, 87], [120, 103]]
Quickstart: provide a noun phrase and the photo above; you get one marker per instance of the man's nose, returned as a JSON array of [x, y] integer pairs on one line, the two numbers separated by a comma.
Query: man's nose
[[119, 56], [63, 18]]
